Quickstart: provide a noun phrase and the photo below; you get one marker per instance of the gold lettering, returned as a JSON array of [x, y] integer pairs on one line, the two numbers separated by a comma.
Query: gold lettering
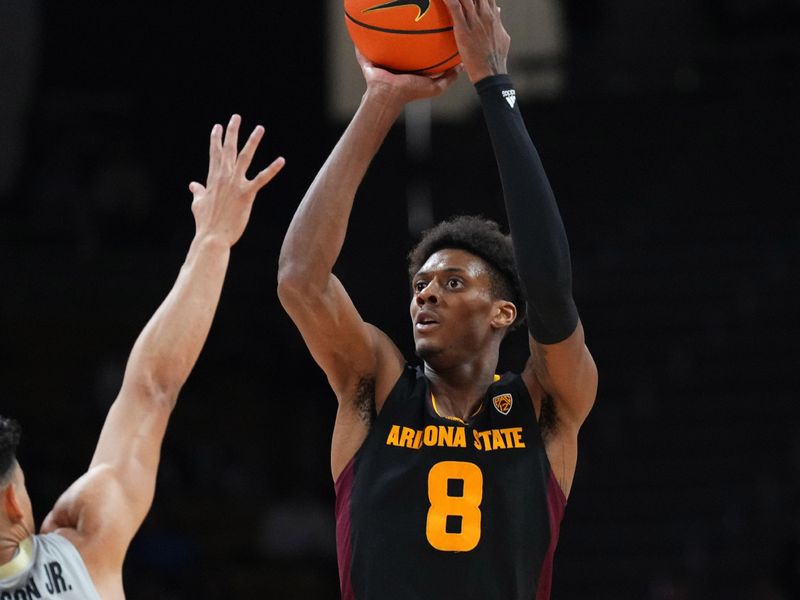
[[477, 440], [394, 436], [497, 440], [431, 435], [418, 440], [518, 443], [452, 437], [486, 439], [407, 437], [509, 438], [460, 439], [445, 436]]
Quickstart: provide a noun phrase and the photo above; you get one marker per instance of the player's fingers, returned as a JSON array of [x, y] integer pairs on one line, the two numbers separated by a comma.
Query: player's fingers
[[214, 149], [197, 188], [446, 80], [265, 176], [362, 60], [492, 10], [457, 12], [487, 9], [470, 10], [231, 140], [246, 155]]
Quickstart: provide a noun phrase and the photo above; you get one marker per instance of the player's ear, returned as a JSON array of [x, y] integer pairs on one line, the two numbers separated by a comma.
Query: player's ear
[[11, 504], [505, 313]]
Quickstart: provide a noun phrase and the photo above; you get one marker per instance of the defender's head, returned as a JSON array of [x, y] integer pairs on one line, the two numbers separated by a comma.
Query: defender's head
[[466, 293], [16, 512]]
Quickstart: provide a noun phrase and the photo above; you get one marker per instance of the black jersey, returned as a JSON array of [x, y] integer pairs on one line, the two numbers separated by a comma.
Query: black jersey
[[433, 507]]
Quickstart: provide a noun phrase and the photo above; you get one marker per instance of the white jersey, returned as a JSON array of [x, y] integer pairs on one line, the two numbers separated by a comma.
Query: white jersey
[[47, 567]]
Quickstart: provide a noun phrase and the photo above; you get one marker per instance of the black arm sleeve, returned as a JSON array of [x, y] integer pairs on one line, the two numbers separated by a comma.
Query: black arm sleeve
[[537, 232]]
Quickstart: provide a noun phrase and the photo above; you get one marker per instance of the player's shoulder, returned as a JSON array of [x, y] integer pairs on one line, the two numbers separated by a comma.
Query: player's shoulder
[[510, 379], [65, 542], [510, 389], [69, 569], [85, 513], [408, 383], [63, 545]]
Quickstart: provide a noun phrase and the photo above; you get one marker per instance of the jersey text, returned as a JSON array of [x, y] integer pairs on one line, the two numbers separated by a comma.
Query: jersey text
[[451, 436]]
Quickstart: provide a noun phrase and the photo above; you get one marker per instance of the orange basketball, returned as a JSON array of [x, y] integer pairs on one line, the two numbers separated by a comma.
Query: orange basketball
[[409, 36]]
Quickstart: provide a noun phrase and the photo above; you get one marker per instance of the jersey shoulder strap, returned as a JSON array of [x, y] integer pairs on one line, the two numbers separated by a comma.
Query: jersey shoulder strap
[[411, 384]]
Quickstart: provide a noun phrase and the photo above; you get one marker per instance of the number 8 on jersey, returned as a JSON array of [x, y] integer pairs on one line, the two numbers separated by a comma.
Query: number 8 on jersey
[[455, 491]]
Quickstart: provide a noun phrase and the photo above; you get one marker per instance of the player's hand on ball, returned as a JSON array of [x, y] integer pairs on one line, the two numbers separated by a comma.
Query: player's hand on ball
[[222, 207], [404, 88], [482, 40]]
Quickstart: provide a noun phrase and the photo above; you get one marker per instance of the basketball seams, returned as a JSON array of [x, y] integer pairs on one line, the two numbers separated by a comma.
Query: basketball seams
[[391, 5], [437, 65], [397, 31]]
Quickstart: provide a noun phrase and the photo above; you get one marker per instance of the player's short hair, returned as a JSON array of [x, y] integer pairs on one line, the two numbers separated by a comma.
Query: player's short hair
[[483, 238], [10, 434]]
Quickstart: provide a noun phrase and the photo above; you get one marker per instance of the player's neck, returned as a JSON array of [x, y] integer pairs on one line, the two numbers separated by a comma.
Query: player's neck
[[458, 390]]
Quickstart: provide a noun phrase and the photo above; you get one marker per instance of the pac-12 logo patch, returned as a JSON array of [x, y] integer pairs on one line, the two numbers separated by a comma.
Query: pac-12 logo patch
[[503, 403]]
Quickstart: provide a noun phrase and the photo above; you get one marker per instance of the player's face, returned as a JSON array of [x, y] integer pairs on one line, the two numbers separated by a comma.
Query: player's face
[[452, 306]]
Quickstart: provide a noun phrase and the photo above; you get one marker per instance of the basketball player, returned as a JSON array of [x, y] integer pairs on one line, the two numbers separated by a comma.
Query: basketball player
[[79, 553], [451, 481]]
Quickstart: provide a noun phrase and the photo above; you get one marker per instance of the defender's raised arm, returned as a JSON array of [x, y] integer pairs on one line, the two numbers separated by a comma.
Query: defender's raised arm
[[103, 510]]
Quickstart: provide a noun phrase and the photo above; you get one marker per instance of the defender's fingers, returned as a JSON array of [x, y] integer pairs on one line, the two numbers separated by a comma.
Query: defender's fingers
[[267, 174], [197, 188], [231, 139], [246, 155], [214, 148]]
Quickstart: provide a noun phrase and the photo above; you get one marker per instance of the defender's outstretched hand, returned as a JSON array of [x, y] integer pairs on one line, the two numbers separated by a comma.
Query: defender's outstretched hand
[[405, 88], [482, 40], [222, 207]]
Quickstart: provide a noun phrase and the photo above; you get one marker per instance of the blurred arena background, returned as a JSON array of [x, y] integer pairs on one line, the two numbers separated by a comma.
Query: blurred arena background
[[671, 134]]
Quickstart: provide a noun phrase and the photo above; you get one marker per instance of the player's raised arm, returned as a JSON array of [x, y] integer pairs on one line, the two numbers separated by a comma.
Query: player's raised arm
[[103, 510], [346, 348], [560, 361]]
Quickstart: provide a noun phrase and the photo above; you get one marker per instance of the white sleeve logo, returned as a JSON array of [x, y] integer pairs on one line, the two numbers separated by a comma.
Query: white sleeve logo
[[511, 97]]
